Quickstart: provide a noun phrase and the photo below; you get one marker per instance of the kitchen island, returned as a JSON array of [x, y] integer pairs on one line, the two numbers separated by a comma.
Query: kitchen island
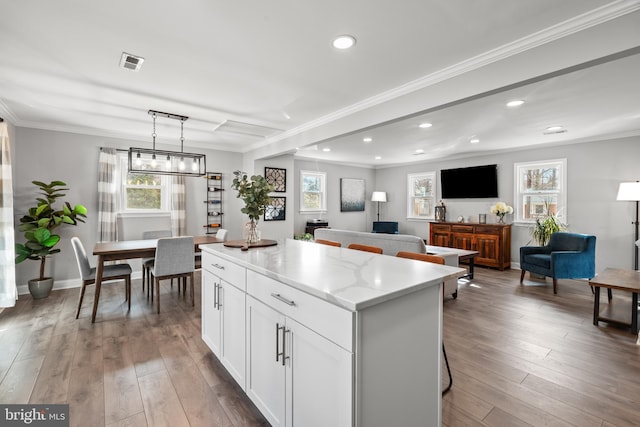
[[323, 336]]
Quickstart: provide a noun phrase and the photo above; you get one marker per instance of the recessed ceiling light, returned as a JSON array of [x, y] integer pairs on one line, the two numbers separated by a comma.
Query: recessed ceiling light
[[515, 103], [326, 150], [474, 140], [425, 125], [378, 157], [344, 42], [367, 139], [554, 129], [419, 151]]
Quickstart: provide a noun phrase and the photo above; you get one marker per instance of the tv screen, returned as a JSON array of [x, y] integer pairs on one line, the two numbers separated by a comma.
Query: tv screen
[[469, 183]]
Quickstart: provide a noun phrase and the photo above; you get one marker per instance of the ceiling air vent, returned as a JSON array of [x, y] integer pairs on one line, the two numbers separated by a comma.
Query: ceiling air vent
[[131, 62]]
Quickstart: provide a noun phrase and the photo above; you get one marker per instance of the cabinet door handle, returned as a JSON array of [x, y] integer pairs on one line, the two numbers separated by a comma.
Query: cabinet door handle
[[278, 352], [284, 332], [218, 266], [218, 292], [283, 299], [215, 295]]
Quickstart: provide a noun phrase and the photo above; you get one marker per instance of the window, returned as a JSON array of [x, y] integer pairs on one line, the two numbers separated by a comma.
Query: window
[[313, 193], [421, 195], [142, 192], [540, 189]]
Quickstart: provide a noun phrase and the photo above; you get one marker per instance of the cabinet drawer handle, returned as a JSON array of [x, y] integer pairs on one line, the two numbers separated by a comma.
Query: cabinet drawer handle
[[218, 266], [283, 299]]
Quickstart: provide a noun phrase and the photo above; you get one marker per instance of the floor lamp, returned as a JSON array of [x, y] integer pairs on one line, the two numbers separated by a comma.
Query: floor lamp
[[630, 191], [379, 196]]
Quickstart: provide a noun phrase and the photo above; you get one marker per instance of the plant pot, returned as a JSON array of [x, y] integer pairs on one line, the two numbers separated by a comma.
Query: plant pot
[[40, 288]]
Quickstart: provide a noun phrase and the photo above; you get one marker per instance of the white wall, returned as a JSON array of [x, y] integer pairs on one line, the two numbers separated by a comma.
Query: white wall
[[358, 221], [48, 155]]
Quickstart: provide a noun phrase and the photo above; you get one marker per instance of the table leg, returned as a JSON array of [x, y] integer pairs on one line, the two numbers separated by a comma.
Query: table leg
[[99, 271], [634, 313], [596, 305], [471, 267]]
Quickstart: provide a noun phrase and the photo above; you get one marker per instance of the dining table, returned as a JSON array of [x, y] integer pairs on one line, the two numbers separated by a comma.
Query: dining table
[[130, 249]]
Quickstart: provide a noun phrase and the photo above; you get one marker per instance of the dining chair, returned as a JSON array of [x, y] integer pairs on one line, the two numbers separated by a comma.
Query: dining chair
[[328, 242], [175, 258], [366, 248], [222, 234], [88, 275], [147, 263]]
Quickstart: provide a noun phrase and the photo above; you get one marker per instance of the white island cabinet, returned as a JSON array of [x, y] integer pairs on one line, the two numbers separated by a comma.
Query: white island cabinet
[[332, 336]]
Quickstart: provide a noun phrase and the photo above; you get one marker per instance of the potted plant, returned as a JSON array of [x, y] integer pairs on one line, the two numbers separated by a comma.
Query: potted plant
[[254, 192], [38, 225], [545, 227]]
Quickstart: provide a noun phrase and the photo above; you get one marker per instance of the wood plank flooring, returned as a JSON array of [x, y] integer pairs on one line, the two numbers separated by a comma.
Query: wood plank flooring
[[520, 356]]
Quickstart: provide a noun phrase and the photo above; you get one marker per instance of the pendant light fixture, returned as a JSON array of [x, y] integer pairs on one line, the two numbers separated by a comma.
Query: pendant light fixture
[[163, 162]]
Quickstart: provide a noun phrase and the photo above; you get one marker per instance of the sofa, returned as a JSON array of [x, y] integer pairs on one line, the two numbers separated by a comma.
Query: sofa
[[391, 244]]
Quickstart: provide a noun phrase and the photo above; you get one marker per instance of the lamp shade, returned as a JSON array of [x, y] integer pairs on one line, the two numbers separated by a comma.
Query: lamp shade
[[379, 196], [629, 191]]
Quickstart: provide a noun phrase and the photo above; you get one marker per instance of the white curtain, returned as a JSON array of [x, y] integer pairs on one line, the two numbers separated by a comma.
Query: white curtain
[[8, 290], [178, 209], [107, 195]]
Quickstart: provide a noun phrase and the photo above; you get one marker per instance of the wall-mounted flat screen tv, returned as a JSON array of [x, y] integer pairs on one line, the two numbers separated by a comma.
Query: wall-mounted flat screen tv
[[475, 182]]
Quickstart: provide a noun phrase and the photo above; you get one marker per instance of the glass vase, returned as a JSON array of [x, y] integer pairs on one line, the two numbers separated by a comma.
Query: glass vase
[[500, 219], [251, 231]]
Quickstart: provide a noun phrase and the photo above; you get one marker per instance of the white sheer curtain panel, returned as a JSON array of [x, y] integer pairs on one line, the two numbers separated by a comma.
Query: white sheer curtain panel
[[8, 290], [107, 194], [178, 209]]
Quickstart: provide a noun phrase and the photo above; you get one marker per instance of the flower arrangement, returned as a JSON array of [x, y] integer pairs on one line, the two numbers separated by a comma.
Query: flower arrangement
[[254, 192], [501, 209]]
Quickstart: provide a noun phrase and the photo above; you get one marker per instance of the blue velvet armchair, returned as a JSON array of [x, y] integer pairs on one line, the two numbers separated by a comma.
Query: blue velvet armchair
[[566, 256]]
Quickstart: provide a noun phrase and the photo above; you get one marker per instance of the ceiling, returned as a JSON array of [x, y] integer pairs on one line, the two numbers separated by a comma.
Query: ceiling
[[250, 72]]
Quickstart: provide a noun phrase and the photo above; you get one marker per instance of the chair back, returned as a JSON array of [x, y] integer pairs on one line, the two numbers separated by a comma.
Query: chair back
[[156, 234], [365, 248], [174, 255], [81, 258], [564, 241], [436, 259], [328, 242], [222, 234]]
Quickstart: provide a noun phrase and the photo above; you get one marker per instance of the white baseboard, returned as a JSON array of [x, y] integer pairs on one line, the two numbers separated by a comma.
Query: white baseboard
[[69, 283]]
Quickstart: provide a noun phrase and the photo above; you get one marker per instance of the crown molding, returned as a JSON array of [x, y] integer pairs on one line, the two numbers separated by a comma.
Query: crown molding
[[566, 28]]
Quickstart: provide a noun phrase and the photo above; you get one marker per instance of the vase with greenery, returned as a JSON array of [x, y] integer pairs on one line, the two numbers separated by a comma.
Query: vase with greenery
[[254, 192], [545, 227], [38, 225]]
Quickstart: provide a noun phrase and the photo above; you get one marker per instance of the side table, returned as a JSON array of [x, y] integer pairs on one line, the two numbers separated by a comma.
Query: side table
[[622, 280]]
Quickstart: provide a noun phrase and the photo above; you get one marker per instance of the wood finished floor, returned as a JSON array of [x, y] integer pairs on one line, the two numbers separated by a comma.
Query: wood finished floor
[[520, 356]]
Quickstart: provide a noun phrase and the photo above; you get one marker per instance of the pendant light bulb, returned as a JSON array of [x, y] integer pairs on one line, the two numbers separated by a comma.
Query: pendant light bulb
[[194, 165], [138, 160], [153, 161], [168, 164], [181, 164]]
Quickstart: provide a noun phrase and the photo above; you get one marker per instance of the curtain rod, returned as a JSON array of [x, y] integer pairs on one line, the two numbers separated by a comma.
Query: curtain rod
[[117, 149]]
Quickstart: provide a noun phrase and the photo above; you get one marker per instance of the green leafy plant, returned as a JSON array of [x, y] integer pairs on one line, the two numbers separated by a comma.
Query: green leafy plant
[[254, 192], [40, 221], [546, 226], [304, 236]]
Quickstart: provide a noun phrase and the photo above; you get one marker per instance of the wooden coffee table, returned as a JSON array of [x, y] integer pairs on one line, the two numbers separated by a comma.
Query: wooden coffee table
[[622, 280]]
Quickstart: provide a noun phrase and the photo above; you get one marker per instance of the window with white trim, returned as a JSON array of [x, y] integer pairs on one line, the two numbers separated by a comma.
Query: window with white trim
[[142, 192], [541, 189], [313, 191], [421, 195]]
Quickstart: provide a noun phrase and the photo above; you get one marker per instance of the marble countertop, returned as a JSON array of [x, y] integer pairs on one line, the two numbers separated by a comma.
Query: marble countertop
[[345, 277]]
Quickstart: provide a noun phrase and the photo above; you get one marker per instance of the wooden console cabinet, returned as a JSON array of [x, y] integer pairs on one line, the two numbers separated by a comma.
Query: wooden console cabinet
[[492, 241]]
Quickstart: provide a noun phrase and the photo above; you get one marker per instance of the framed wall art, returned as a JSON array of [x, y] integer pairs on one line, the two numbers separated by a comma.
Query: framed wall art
[[276, 210], [276, 177], [351, 195]]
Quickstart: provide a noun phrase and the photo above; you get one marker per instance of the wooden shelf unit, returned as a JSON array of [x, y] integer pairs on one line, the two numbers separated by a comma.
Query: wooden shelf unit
[[492, 241], [214, 202]]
